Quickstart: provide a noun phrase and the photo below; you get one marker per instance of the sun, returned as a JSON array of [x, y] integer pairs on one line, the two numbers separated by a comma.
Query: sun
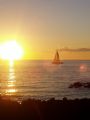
[[11, 50]]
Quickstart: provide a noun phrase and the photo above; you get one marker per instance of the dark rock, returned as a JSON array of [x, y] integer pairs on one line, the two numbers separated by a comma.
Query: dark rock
[[86, 85], [76, 85], [80, 84]]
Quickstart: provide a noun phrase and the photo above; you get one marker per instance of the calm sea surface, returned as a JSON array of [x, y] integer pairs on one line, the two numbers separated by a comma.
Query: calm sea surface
[[44, 80]]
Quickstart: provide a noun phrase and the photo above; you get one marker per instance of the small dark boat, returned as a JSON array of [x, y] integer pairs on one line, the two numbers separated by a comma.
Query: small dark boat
[[57, 59]]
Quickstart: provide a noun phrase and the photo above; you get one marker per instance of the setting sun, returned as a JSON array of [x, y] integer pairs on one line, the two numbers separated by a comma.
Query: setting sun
[[11, 50]]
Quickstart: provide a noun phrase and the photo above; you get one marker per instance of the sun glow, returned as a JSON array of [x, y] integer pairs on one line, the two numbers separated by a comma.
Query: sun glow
[[11, 50]]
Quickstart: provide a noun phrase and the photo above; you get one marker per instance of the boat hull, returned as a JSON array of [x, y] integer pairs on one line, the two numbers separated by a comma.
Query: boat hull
[[57, 62]]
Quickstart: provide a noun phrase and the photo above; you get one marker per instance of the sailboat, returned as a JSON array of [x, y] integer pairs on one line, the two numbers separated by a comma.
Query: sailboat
[[57, 59]]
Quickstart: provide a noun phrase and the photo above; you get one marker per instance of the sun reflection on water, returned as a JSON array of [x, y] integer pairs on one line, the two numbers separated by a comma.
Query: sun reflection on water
[[11, 88]]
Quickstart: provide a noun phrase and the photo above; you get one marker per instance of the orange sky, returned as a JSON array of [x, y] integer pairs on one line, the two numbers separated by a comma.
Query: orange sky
[[43, 26]]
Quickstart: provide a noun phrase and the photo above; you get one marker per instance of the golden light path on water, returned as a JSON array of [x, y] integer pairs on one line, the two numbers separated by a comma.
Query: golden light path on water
[[10, 51], [11, 88]]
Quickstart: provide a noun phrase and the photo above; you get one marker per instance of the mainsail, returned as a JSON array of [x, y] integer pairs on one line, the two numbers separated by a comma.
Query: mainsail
[[57, 59]]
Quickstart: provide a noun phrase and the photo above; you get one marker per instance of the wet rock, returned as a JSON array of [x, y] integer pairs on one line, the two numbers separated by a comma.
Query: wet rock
[[76, 85], [80, 84], [86, 85]]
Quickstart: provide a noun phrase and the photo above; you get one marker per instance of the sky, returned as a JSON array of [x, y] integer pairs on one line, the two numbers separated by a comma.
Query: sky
[[42, 26]]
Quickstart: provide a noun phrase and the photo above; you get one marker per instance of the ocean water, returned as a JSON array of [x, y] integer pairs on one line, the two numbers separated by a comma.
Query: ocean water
[[44, 80]]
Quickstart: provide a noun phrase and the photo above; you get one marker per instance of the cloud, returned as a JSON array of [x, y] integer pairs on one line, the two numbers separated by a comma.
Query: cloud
[[75, 50]]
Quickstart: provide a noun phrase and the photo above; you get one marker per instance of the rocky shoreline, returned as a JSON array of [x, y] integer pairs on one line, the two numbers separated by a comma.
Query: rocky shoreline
[[80, 85], [52, 109]]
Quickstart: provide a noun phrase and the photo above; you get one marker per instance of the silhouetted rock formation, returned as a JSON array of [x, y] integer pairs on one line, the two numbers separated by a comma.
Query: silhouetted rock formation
[[87, 85], [45, 110], [76, 85], [80, 84]]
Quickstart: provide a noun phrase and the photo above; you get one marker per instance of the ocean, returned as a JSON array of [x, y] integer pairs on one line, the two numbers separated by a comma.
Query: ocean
[[40, 79]]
